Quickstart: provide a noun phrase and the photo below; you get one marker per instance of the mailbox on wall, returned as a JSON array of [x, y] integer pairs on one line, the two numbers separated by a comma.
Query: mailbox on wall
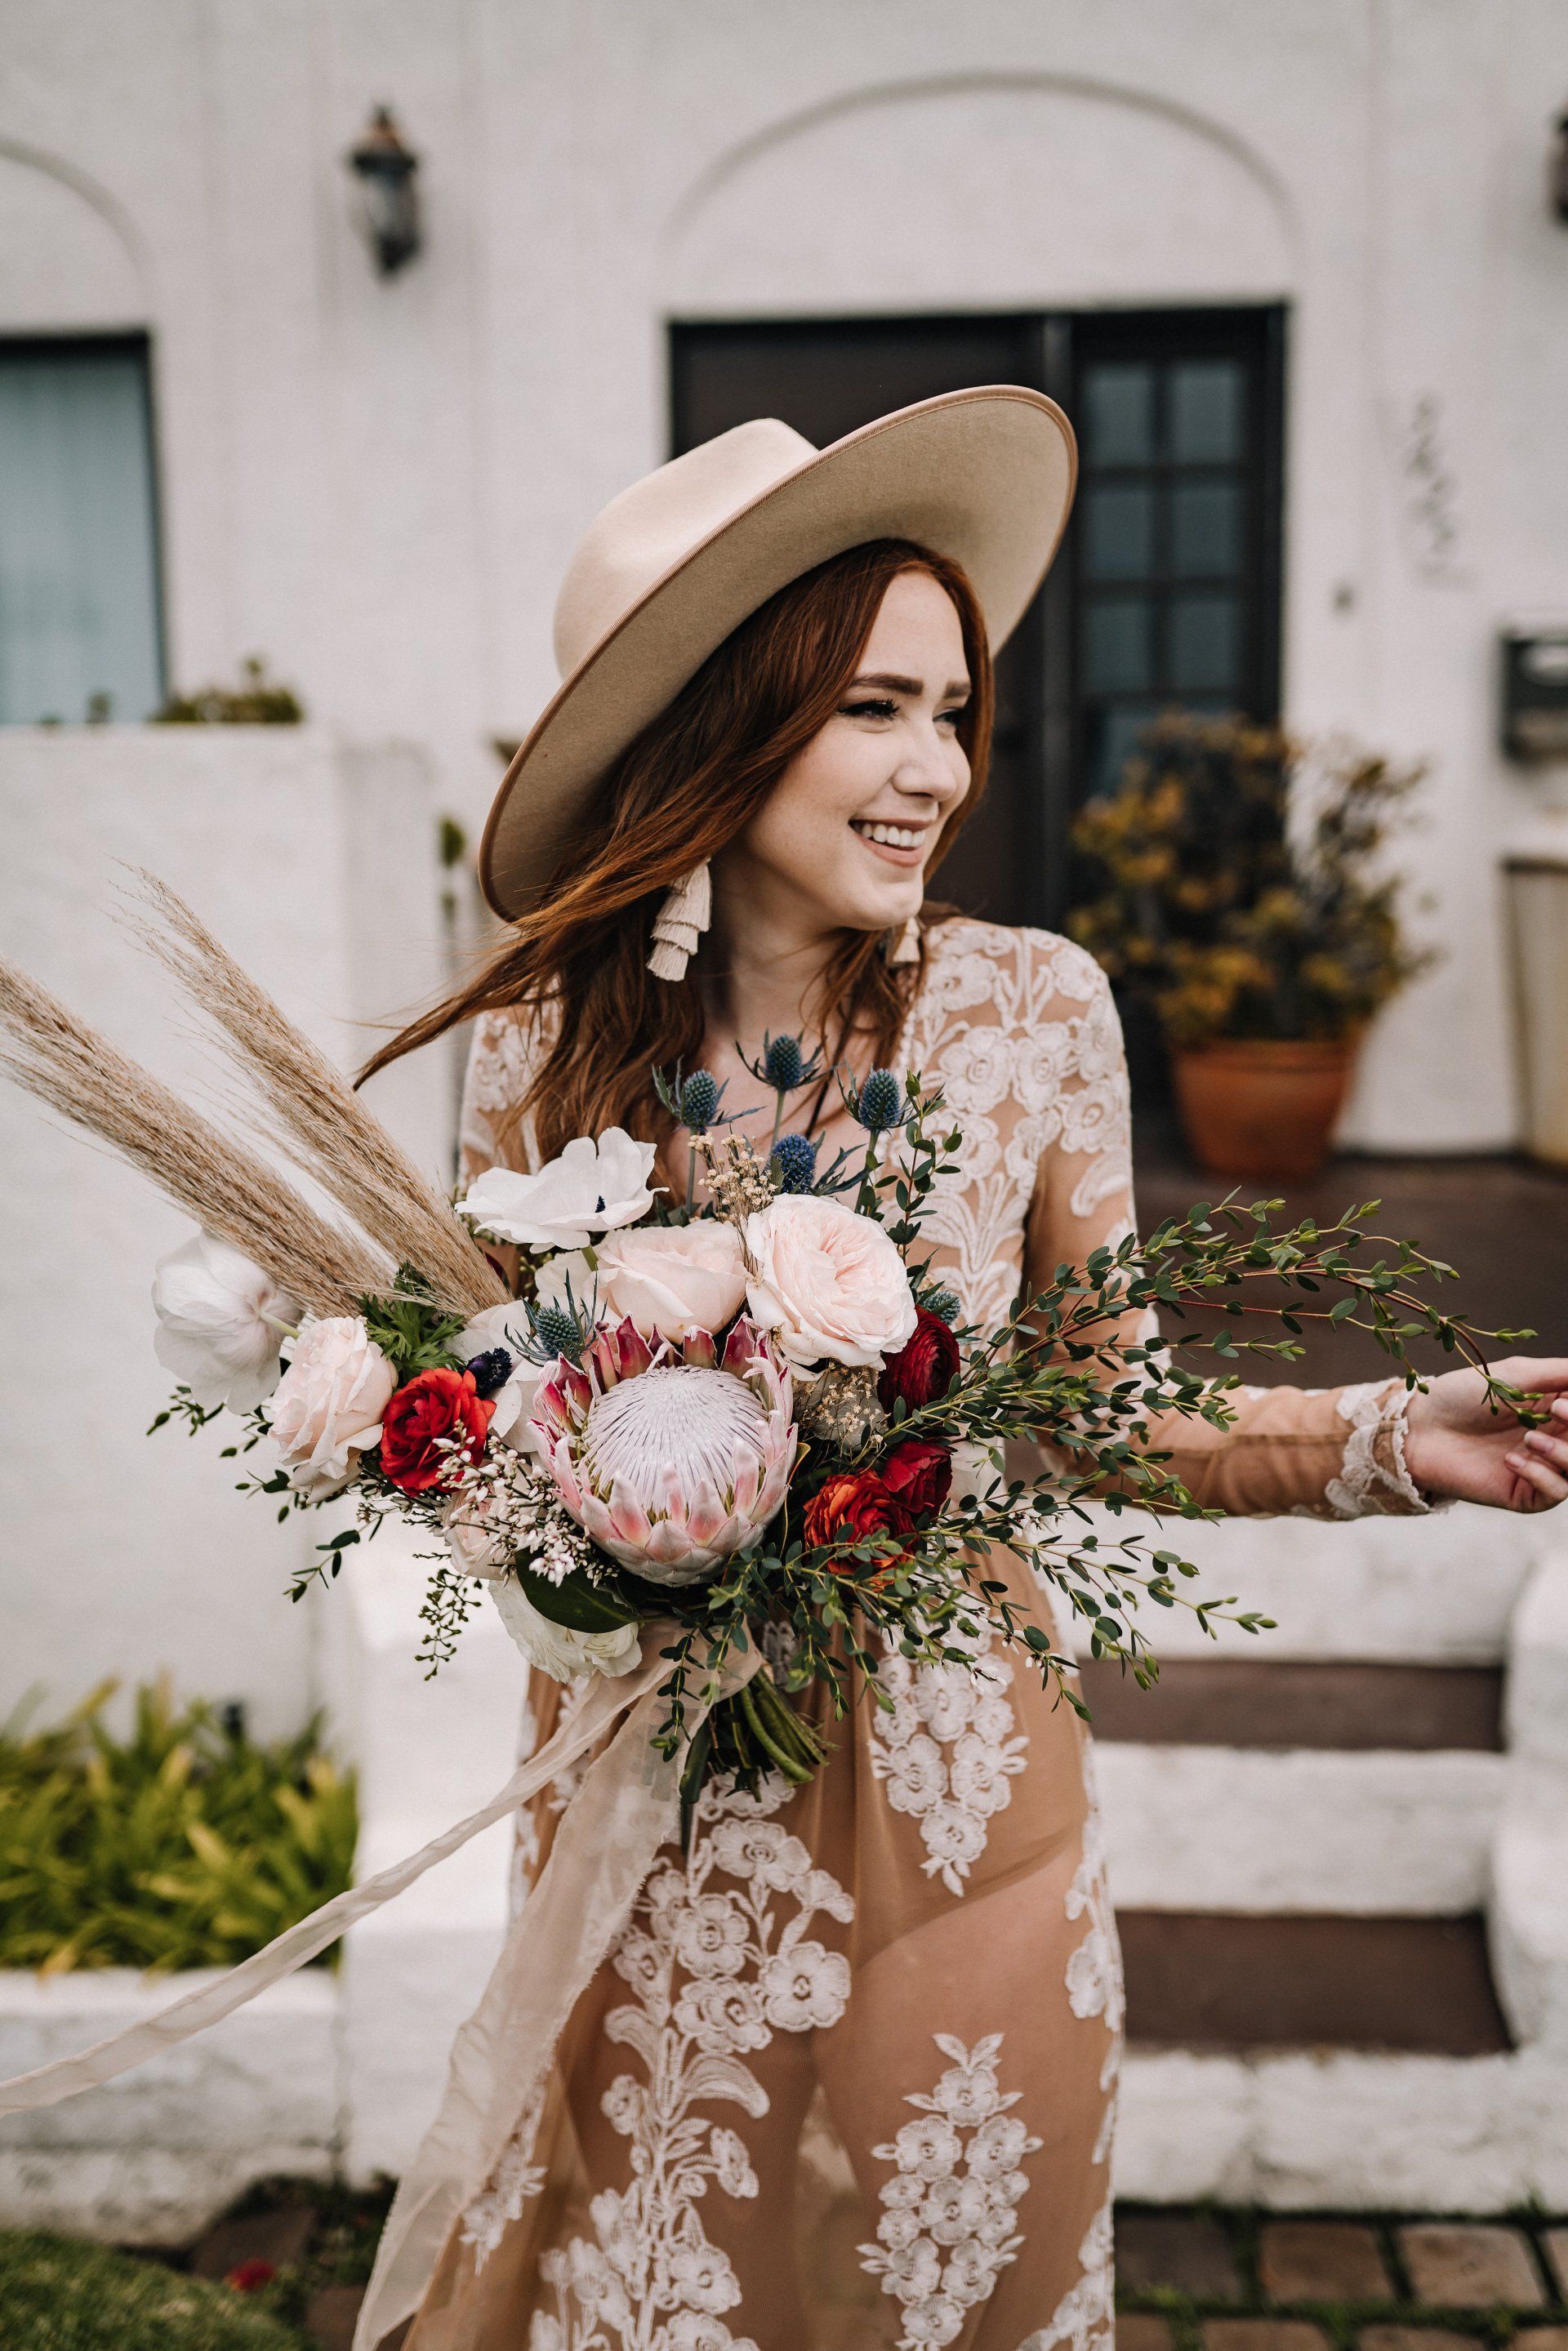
[[1535, 693]]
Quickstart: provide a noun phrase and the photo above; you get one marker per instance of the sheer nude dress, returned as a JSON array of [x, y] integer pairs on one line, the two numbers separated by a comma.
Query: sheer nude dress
[[849, 2076]]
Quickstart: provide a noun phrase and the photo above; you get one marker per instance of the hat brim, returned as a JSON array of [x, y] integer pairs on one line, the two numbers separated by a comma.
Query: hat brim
[[985, 476]]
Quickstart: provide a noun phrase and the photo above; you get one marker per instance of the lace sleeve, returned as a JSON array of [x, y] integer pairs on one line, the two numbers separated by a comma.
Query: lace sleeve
[[489, 1131], [1333, 1453]]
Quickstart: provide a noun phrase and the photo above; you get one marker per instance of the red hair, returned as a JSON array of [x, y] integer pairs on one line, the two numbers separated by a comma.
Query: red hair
[[688, 784]]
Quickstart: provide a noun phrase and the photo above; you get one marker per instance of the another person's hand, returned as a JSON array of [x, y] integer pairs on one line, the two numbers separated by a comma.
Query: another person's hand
[[1456, 1444]]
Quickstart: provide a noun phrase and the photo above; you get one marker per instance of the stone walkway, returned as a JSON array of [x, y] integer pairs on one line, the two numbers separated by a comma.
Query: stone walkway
[[1188, 2279], [1241, 2281]]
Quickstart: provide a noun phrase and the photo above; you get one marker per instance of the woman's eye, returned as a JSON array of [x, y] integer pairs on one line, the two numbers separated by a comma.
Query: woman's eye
[[950, 717], [871, 709]]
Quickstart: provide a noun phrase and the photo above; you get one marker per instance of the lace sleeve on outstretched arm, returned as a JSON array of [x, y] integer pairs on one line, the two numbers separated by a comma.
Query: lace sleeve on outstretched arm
[[1331, 1453]]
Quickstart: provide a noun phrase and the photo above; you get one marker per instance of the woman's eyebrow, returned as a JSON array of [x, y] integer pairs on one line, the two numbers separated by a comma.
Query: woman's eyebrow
[[893, 683]]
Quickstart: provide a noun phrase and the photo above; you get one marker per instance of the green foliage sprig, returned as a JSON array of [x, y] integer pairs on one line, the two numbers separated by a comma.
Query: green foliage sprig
[[183, 1844], [1233, 881]]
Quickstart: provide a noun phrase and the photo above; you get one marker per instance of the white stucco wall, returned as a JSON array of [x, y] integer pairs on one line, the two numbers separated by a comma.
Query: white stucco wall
[[377, 483], [121, 1554]]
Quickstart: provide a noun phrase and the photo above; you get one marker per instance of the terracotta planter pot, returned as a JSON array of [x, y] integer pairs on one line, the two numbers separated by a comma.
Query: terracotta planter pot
[[1261, 1108]]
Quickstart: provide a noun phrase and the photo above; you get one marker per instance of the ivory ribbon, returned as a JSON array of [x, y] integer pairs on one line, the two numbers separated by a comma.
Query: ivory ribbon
[[65, 2076], [626, 1808]]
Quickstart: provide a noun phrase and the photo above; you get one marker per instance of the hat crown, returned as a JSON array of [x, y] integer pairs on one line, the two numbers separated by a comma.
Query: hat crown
[[655, 524]]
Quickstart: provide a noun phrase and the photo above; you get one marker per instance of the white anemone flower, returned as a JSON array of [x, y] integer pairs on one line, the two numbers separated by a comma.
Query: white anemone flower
[[591, 1188], [221, 1321], [506, 1326], [556, 1649]]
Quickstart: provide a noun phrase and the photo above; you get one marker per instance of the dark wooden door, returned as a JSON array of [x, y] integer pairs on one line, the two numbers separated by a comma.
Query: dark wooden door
[[826, 379], [1166, 594]]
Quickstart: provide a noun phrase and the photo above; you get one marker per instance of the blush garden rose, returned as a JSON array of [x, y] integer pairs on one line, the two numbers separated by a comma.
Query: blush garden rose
[[327, 1408], [827, 1283]]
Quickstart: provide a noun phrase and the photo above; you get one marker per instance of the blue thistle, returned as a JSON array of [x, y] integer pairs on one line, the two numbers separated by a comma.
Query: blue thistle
[[699, 1101], [559, 1332], [944, 1304], [782, 1064], [880, 1102], [491, 1370], [794, 1157]]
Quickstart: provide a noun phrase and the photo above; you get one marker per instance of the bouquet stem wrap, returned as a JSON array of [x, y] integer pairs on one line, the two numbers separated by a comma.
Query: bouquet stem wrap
[[627, 1807]]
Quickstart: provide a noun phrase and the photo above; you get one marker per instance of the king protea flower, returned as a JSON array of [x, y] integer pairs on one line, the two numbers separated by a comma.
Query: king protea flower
[[671, 1460]]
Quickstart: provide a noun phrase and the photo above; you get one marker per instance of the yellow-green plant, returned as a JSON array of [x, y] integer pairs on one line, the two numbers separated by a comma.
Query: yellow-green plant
[[257, 701], [184, 1845], [58, 2295], [1234, 880]]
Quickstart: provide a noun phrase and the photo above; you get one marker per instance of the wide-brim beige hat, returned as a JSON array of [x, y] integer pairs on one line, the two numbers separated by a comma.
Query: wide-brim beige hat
[[668, 569]]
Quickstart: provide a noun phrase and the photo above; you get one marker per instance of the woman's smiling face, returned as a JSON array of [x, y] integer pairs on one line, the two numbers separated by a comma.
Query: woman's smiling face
[[845, 837]]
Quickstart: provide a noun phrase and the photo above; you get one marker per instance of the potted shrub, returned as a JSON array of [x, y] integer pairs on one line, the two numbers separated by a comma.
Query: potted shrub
[[1233, 881]]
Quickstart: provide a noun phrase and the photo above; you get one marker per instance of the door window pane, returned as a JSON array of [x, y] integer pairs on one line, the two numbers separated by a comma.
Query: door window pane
[[1205, 529], [1114, 739], [1119, 413], [79, 595], [1119, 645], [1118, 530], [1205, 411], [1205, 644]]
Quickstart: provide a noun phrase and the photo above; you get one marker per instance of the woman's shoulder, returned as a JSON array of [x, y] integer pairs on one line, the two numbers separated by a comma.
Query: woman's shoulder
[[1021, 970], [503, 1052]]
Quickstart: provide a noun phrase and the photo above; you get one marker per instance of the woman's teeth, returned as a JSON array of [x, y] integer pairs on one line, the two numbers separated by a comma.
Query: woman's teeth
[[893, 836]]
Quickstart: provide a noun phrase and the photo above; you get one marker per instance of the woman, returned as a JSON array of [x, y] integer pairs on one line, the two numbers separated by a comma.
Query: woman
[[896, 1991]]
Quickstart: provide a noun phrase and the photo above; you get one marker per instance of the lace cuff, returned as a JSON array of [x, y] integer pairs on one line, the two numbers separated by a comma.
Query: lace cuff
[[1373, 1480]]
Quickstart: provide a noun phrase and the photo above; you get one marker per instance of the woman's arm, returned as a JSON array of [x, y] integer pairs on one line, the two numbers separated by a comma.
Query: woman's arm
[[1374, 1448]]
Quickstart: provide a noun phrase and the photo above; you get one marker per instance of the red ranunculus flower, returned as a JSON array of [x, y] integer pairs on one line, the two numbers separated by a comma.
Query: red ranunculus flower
[[924, 1368], [249, 2277], [427, 1409], [921, 1474], [852, 1506]]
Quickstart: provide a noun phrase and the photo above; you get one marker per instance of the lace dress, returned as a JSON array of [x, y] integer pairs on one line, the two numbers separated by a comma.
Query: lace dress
[[848, 2076]]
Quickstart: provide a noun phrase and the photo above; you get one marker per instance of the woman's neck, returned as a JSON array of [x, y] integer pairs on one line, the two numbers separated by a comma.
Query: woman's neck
[[764, 960]]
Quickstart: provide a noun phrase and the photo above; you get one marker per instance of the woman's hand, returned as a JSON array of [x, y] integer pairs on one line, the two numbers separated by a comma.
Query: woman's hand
[[1457, 1444]]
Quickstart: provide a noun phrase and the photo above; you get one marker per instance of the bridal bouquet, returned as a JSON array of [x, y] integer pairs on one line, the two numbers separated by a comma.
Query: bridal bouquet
[[745, 1423]]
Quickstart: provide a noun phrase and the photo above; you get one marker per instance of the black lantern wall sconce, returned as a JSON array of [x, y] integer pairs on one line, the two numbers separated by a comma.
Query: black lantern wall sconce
[[1560, 170], [387, 171]]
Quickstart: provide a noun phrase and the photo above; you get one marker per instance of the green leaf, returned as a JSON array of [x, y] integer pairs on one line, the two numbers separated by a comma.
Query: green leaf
[[581, 1606]]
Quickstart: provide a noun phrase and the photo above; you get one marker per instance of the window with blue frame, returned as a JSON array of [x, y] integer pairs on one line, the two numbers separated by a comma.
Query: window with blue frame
[[80, 633]]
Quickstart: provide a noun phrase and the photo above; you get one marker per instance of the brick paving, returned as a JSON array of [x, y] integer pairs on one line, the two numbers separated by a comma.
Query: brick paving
[[1188, 2278], [1207, 2279], [1556, 2241], [1322, 2261], [1470, 2265]]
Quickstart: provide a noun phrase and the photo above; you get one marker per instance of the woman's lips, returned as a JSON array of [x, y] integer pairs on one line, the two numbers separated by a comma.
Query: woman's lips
[[908, 851]]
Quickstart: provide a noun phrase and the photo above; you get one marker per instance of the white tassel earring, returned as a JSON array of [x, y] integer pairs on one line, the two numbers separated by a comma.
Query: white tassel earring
[[680, 924], [903, 945]]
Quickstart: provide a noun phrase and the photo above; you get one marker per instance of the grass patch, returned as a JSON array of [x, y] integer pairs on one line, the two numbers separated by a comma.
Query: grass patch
[[184, 1845], [57, 2294]]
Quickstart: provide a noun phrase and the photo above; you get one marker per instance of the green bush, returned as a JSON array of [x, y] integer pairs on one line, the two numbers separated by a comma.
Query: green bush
[[56, 2294], [186, 1844]]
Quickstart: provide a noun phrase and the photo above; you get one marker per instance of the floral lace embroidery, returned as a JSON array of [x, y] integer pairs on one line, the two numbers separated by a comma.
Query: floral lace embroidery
[[1033, 1074], [517, 2177], [1373, 1481], [1095, 1980], [714, 1976], [946, 1753], [1085, 2317], [947, 2229]]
